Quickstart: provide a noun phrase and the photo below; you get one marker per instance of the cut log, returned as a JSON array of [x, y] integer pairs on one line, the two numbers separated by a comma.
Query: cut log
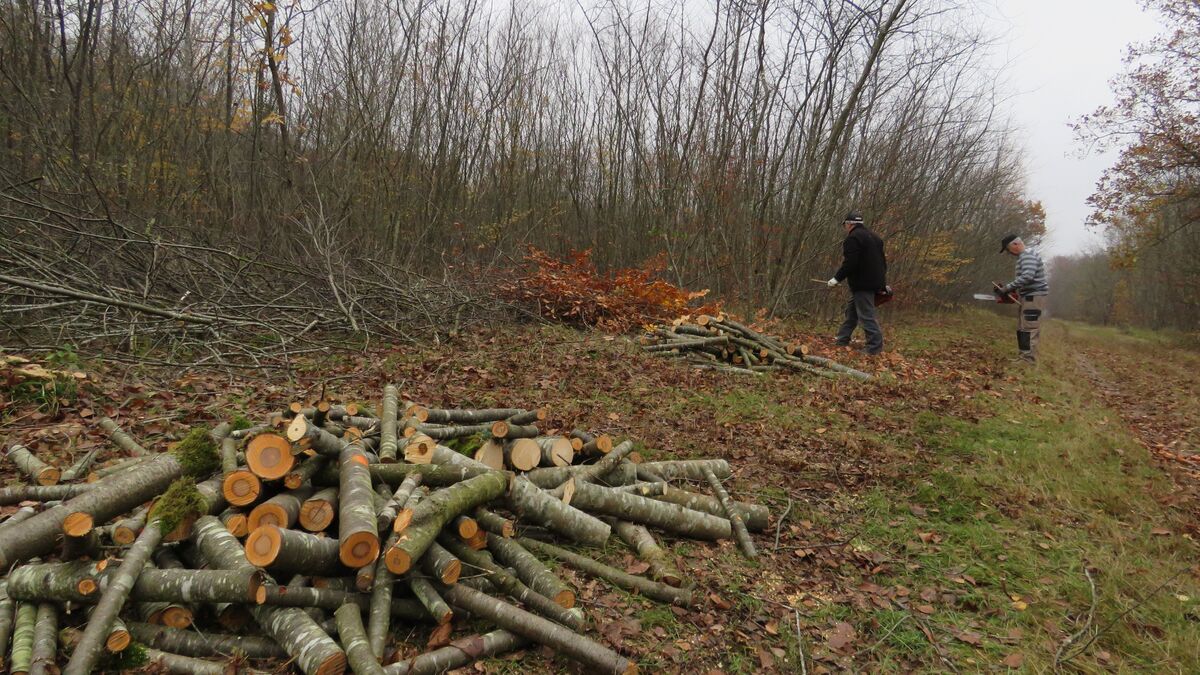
[[491, 453], [122, 439], [535, 505], [241, 487], [739, 528], [438, 475], [198, 644], [41, 493], [466, 527], [291, 552], [510, 585], [119, 638], [556, 451], [73, 581], [81, 467], [379, 616], [229, 455], [182, 665], [329, 599], [91, 643], [530, 570], [441, 564], [486, 415], [235, 522], [429, 598], [549, 478], [537, 629], [86, 547], [594, 472], [313, 650], [754, 515], [319, 510], [418, 449], [502, 429], [126, 530], [269, 456], [386, 517], [660, 515], [433, 513], [8, 608], [457, 654], [387, 425], [302, 432], [477, 541], [283, 509], [689, 469], [304, 471], [45, 641], [643, 544], [22, 638], [651, 589], [105, 499], [29, 464], [523, 454], [530, 417], [353, 636], [493, 523], [357, 534]]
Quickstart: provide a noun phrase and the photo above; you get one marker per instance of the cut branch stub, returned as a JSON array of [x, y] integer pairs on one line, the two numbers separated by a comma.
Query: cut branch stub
[[269, 456]]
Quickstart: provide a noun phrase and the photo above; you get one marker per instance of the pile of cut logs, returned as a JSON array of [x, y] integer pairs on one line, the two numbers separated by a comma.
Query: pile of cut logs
[[317, 540], [722, 344]]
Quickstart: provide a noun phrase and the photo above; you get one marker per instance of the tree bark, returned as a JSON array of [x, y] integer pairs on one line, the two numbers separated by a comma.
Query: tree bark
[[22, 638], [433, 513], [549, 478], [510, 585], [387, 425], [122, 439], [650, 589], [379, 616], [8, 609], [527, 501], [689, 469], [486, 415], [430, 599], [357, 533], [29, 464], [40, 493], [754, 515], [353, 637], [287, 551], [201, 645], [539, 630], [458, 654], [643, 544], [660, 515], [45, 641], [593, 472], [735, 520], [530, 570], [184, 665], [507, 431]]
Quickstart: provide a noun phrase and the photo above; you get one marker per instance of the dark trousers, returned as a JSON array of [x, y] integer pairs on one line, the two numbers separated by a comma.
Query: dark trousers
[[861, 309]]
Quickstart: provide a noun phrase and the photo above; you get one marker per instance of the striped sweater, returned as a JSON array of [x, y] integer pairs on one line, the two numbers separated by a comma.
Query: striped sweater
[[1031, 275]]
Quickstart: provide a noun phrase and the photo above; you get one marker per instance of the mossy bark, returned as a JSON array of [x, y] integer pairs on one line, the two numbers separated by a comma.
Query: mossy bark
[[621, 579], [432, 514], [540, 507], [660, 515], [45, 641]]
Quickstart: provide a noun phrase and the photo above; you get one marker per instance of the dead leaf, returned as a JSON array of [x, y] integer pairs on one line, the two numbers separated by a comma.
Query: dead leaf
[[772, 627], [637, 567], [925, 609], [843, 634], [720, 602], [1160, 532], [970, 637], [1014, 660]]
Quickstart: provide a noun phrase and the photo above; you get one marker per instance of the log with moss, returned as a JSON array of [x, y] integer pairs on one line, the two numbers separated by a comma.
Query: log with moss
[[204, 644], [358, 536], [540, 507], [313, 650], [432, 514], [639, 539], [24, 624], [510, 584], [353, 636], [559, 638], [657, 514], [29, 464], [621, 579], [122, 439], [531, 571], [195, 455], [387, 425]]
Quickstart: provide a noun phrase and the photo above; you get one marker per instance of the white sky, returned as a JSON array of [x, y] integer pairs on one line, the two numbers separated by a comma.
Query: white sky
[[1059, 56]]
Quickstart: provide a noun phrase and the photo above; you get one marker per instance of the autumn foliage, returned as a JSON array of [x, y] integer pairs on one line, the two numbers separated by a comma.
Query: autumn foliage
[[573, 291]]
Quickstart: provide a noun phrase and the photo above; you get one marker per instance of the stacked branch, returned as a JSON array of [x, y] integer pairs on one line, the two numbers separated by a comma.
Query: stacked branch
[[725, 345], [334, 531]]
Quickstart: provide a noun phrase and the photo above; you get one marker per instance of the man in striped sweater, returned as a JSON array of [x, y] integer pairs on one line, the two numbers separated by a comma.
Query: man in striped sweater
[[1031, 288]]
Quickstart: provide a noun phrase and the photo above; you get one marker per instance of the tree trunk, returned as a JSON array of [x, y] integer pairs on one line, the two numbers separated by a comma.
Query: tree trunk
[[539, 630], [287, 551], [107, 498], [530, 417], [661, 515], [433, 513], [530, 570], [441, 564], [527, 501], [91, 643], [282, 510], [29, 464], [643, 544], [229, 459], [201, 645], [486, 415], [122, 439], [689, 469], [387, 425], [445, 433], [619, 578], [40, 493], [735, 520], [329, 599], [318, 511], [458, 654], [45, 641], [353, 637], [438, 475], [313, 650], [357, 534]]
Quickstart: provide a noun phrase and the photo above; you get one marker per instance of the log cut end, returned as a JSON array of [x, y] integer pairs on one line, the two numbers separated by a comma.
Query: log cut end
[[467, 527], [403, 520], [267, 514], [604, 443], [118, 640], [263, 545], [359, 549], [49, 476], [316, 515], [499, 428], [269, 456], [491, 453], [565, 598], [241, 488], [524, 454], [77, 524], [236, 523], [451, 572], [297, 429], [397, 561], [419, 449], [334, 664], [177, 617]]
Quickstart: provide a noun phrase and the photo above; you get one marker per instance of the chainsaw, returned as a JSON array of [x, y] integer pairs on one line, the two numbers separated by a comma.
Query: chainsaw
[[1002, 298], [881, 297]]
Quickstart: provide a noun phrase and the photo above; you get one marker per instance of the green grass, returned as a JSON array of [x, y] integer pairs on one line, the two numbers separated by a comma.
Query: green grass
[[1021, 503]]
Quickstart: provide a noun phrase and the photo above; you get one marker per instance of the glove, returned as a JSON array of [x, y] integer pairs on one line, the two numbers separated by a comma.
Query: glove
[[832, 282]]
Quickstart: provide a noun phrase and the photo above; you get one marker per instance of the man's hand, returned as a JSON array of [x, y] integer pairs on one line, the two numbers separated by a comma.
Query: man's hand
[[832, 282], [1000, 292]]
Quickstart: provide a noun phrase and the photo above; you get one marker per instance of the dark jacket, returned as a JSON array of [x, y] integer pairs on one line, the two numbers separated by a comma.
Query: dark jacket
[[864, 263]]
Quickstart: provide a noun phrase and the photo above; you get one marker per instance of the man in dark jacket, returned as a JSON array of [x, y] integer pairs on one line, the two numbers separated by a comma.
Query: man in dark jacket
[[865, 267]]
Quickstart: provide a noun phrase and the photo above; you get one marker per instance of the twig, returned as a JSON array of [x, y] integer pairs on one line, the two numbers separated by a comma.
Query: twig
[[779, 525], [800, 644], [1058, 654]]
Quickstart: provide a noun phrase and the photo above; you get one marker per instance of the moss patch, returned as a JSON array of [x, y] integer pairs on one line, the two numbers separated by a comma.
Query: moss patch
[[181, 502], [197, 453]]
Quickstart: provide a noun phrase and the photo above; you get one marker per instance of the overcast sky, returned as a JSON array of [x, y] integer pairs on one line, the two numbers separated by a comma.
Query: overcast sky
[[1059, 56]]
